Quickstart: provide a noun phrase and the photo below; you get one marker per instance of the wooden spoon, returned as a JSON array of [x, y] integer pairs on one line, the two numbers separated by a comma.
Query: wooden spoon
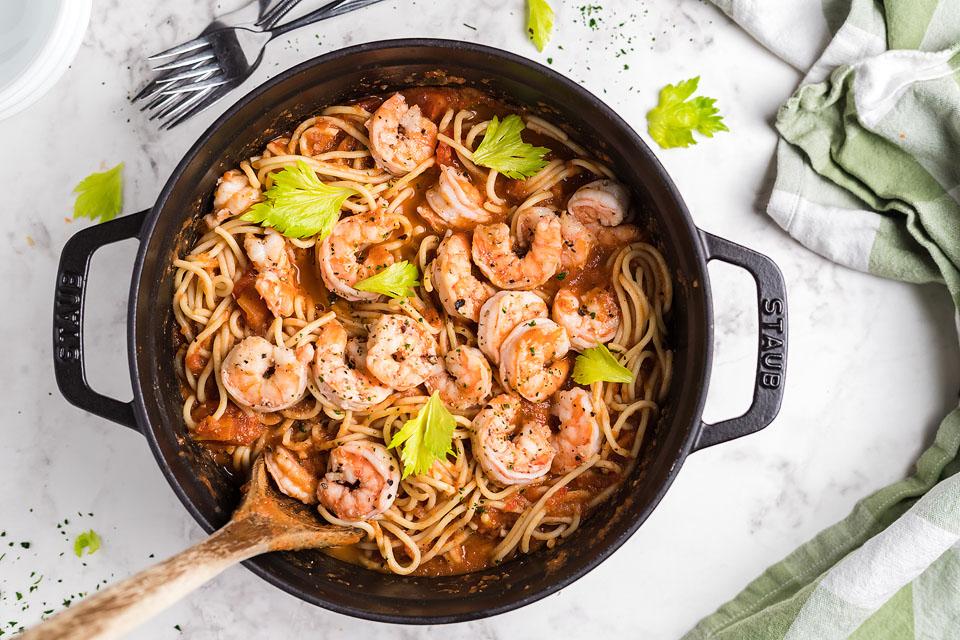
[[265, 521]]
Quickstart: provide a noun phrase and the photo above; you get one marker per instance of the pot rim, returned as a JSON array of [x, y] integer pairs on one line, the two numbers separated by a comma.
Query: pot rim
[[262, 565]]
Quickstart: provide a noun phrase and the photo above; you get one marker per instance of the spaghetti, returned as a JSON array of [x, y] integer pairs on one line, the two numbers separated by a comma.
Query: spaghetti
[[459, 516]]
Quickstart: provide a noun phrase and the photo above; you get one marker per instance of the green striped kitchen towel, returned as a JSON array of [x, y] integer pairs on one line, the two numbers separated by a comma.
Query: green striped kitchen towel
[[868, 175]]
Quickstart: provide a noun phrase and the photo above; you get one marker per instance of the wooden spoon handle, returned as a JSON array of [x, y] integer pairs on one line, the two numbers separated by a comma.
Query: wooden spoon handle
[[114, 611]]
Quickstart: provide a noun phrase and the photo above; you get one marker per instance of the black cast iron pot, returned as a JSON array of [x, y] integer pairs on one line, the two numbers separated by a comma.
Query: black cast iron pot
[[169, 227]]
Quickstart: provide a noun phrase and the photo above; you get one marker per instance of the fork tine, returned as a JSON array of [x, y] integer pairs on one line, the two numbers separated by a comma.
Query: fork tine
[[148, 90], [207, 102], [216, 81], [153, 88], [210, 67], [175, 101], [161, 84], [176, 64], [187, 108], [163, 103], [159, 81], [155, 100], [186, 47], [210, 78]]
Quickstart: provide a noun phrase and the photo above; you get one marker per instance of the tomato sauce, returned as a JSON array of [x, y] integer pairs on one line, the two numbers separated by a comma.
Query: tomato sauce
[[237, 427]]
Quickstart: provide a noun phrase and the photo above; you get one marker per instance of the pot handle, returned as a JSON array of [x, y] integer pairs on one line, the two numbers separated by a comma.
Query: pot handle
[[772, 351], [68, 317]]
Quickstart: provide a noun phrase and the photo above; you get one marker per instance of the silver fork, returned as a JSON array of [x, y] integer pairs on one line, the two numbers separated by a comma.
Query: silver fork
[[219, 61], [256, 13]]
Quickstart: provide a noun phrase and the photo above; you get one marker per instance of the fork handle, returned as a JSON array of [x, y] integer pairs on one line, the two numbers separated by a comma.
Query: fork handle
[[271, 15], [326, 11]]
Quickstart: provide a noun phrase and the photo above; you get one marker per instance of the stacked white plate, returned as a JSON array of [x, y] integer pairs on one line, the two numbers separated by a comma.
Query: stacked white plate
[[38, 41]]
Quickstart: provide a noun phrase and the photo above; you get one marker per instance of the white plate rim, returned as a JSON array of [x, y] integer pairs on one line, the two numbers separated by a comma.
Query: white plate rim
[[49, 65]]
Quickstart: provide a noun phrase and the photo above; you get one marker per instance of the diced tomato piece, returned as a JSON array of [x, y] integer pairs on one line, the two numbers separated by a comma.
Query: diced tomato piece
[[492, 520], [196, 362], [255, 311], [347, 143], [445, 157], [234, 427], [557, 499], [320, 138], [516, 504]]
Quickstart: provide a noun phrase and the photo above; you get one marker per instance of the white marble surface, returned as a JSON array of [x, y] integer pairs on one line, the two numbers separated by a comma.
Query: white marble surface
[[873, 364]]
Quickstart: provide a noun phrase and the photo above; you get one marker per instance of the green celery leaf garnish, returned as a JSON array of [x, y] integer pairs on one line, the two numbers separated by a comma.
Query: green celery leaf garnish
[[426, 438], [539, 22], [299, 205], [87, 541], [396, 281], [100, 195], [597, 364], [672, 122], [502, 149]]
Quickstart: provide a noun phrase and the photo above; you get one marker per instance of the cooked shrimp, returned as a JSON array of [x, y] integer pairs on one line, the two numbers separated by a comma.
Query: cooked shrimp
[[343, 385], [400, 352], [527, 220], [400, 137], [595, 215], [357, 353], [576, 237], [577, 243], [361, 481], [264, 377], [277, 280], [494, 255], [294, 477], [234, 195], [603, 202], [618, 236], [501, 314], [340, 253], [532, 359], [454, 203], [590, 318], [465, 381], [510, 453], [461, 293], [579, 435]]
